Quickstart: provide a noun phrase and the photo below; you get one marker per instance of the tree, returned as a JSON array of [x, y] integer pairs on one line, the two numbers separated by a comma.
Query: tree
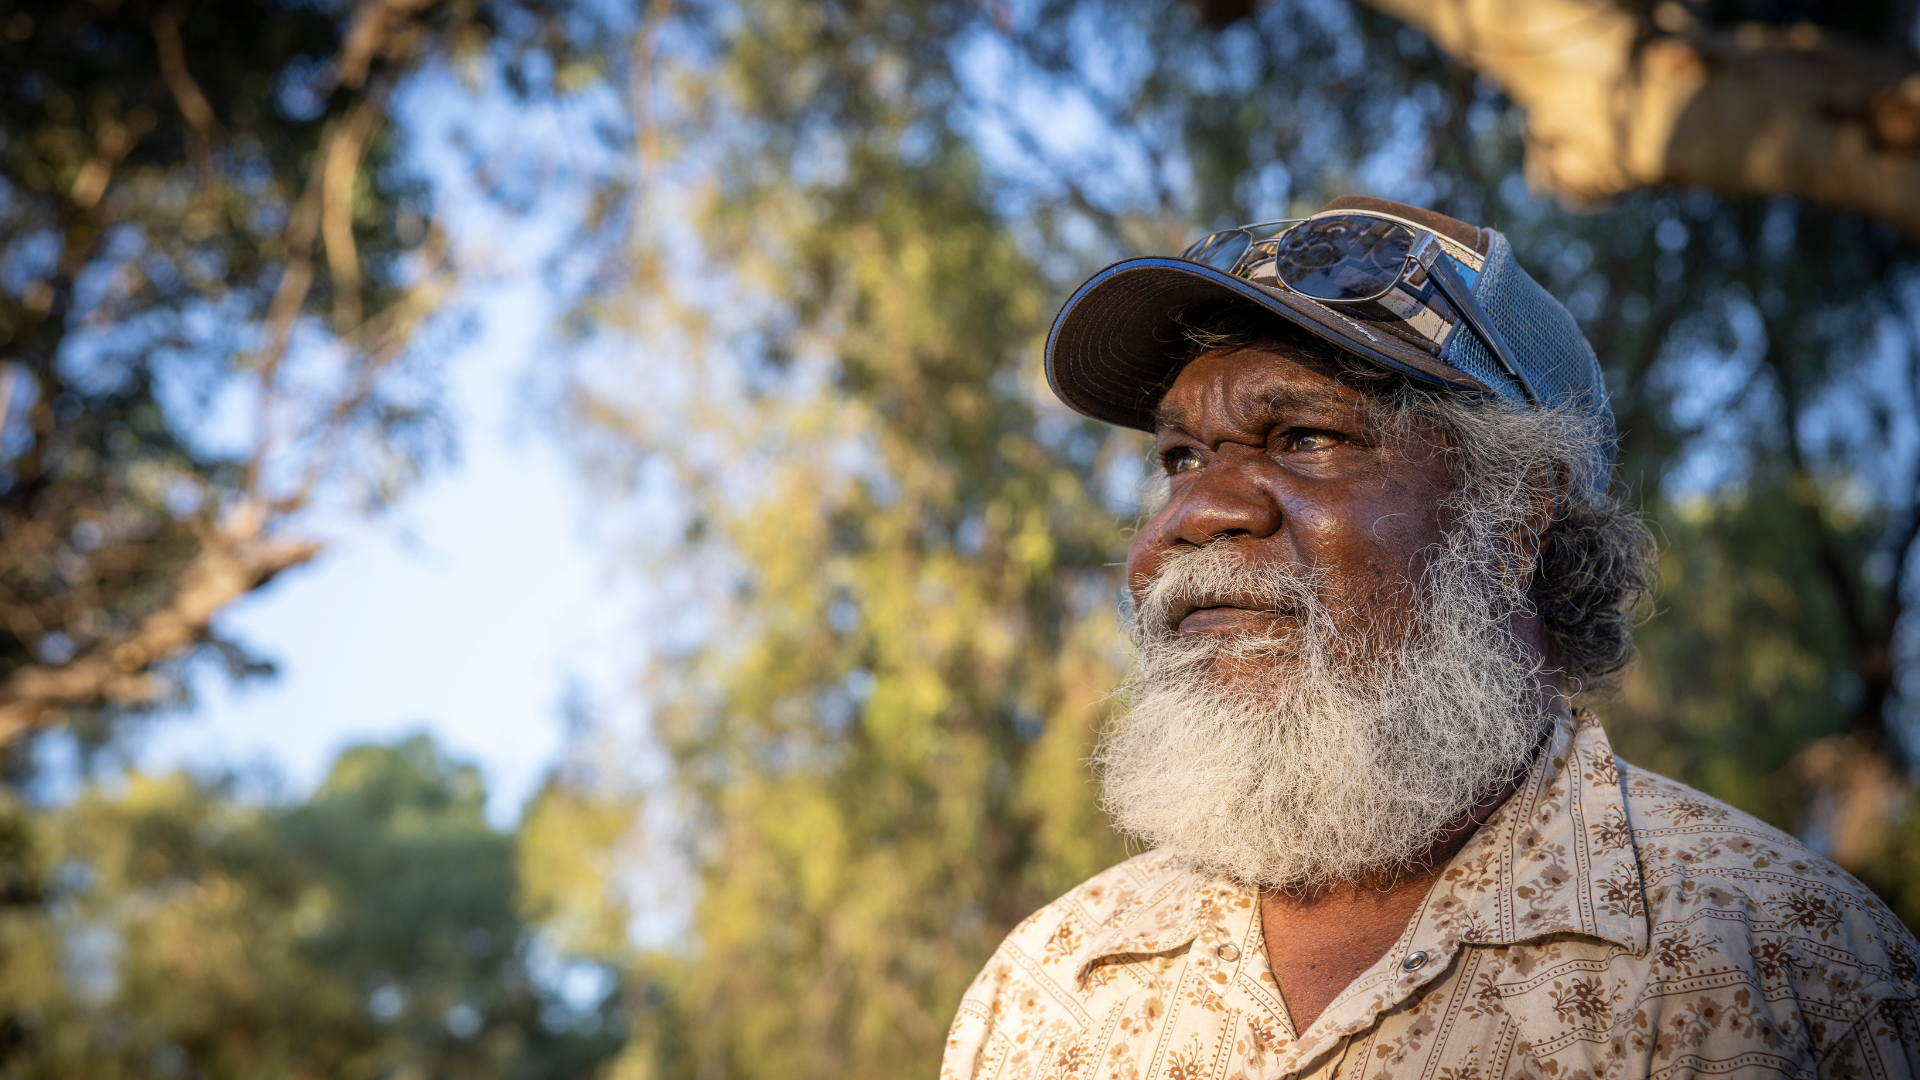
[[201, 210], [882, 737], [373, 930], [206, 212]]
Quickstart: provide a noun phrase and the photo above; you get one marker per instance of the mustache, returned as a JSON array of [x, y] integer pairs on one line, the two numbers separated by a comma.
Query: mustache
[[1220, 574]]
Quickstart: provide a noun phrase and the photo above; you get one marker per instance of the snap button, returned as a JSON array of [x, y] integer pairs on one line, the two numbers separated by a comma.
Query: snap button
[[1227, 953], [1414, 961]]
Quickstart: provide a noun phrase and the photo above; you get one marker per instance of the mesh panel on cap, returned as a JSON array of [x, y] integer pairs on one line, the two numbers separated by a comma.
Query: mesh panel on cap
[[1540, 334], [1470, 356], [1564, 368]]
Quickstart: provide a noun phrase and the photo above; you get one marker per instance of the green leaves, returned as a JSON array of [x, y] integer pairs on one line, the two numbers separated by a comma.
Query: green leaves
[[370, 929], [884, 738]]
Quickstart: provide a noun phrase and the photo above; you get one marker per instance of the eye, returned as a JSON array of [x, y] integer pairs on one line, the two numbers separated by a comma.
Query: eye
[[1179, 460], [1312, 440]]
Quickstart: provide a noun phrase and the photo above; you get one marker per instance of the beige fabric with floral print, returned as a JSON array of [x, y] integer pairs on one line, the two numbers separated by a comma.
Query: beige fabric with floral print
[[1605, 922]]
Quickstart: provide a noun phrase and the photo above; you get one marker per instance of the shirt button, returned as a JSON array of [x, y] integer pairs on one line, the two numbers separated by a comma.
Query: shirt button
[[1414, 961], [1227, 953]]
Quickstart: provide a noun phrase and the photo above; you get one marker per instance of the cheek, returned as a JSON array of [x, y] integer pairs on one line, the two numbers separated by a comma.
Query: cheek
[[1370, 545]]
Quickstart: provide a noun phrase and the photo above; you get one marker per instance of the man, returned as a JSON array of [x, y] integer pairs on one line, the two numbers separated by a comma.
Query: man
[[1388, 841]]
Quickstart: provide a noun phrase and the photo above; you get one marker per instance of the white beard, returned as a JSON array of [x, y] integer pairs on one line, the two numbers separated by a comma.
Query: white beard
[[1342, 757]]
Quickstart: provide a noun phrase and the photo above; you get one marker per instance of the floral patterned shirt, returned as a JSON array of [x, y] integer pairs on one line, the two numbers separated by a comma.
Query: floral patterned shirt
[[1604, 923]]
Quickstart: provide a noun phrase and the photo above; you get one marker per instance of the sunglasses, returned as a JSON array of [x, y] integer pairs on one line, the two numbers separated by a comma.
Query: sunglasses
[[1352, 259]]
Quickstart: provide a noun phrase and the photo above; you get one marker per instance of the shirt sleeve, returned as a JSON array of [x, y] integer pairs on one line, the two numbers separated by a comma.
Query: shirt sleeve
[[1882, 1045], [967, 1055]]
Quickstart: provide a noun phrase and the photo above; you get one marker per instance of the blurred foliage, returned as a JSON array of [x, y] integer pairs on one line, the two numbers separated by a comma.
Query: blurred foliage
[[370, 931], [212, 265], [216, 270], [885, 751]]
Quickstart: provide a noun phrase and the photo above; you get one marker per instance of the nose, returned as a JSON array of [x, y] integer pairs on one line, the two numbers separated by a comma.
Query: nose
[[1226, 499]]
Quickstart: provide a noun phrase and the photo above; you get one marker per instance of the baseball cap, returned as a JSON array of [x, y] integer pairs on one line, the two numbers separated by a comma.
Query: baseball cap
[[1119, 341]]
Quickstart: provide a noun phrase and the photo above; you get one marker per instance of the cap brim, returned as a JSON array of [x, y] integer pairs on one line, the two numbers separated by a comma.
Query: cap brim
[[1118, 345]]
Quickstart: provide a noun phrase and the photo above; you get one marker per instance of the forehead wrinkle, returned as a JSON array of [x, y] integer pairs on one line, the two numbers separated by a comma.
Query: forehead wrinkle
[[1283, 404], [1285, 399], [1169, 416]]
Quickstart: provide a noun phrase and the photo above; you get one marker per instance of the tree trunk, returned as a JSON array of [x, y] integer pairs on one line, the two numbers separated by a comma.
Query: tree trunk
[[1616, 101]]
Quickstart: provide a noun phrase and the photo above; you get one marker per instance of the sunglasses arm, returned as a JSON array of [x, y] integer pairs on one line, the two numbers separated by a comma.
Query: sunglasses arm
[[1427, 253]]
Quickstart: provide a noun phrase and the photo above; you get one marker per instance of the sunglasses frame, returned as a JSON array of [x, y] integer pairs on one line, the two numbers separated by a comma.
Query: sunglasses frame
[[1424, 253]]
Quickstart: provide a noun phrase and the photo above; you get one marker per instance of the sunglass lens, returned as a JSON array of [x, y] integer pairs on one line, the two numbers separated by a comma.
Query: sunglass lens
[[1343, 257], [1222, 250]]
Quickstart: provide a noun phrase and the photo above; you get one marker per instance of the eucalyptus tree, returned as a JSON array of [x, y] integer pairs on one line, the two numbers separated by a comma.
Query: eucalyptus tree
[[216, 267], [375, 928]]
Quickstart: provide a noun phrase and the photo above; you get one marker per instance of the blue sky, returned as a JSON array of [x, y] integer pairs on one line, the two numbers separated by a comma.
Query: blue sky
[[470, 613]]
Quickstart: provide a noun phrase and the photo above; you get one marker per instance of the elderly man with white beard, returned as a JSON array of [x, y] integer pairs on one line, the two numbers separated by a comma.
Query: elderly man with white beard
[[1388, 836]]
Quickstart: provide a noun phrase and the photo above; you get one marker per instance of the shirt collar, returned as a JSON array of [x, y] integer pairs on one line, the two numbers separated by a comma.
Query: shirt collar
[[1556, 858]]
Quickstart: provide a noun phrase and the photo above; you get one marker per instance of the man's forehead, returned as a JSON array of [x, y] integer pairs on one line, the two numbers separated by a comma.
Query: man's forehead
[[1253, 383]]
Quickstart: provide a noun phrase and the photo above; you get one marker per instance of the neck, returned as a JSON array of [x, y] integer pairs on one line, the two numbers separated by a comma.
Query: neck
[[1319, 940]]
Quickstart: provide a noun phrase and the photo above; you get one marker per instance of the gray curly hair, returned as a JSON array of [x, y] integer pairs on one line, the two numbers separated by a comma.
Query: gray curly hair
[[1593, 568]]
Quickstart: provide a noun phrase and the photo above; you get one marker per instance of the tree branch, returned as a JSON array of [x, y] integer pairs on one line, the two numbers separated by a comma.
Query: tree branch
[[232, 563], [247, 547], [180, 83], [340, 151], [377, 343], [372, 35], [341, 167], [113, 138], [1614, 103]]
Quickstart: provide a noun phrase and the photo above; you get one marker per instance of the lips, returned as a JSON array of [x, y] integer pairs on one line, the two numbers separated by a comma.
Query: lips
[[1217, 613]]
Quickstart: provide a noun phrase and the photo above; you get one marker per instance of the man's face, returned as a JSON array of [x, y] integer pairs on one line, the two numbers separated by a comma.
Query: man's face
[[1293, 466], [1332, 664]]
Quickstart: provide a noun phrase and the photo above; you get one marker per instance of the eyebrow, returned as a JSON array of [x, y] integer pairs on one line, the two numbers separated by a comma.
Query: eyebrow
[[1274, 402]]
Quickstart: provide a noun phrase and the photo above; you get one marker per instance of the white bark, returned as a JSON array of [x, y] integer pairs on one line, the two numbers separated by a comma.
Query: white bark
[[1614, 102]]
